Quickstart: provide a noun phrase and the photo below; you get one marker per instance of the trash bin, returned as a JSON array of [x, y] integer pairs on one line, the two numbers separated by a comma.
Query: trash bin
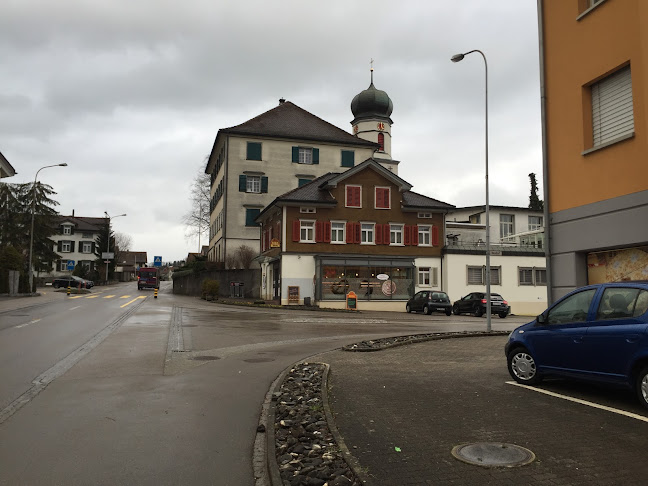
[[307, 301]]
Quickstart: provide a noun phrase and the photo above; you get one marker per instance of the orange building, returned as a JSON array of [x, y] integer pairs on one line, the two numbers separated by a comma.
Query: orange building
[[594, 81]]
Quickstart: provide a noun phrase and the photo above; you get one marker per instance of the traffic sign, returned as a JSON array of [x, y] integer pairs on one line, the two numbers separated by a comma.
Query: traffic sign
[[70, 265], [157, 261]]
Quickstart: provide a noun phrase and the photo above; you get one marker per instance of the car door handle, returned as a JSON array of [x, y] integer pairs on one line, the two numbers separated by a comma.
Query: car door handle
[[632, 339], [578, 339]]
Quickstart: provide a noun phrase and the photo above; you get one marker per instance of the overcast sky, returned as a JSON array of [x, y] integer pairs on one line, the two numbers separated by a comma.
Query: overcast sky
[[131, 94]]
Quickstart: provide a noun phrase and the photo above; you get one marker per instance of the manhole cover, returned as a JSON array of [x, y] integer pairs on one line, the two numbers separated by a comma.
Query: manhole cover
[[493, 454], [258, 360], [205, 358]]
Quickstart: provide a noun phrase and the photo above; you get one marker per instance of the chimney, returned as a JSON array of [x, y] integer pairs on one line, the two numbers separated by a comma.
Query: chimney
[[282, 101], [73, 213]]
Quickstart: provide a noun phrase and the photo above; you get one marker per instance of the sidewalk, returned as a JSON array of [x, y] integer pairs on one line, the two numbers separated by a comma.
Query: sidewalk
[[42, 296]]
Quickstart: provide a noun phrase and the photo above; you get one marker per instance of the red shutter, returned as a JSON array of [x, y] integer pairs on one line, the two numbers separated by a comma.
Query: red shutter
[[356, 196], [378, 197], [327, 232], [349, 196], [386, 234], [435, 236], [379, 234], [349, 232], [356, 231], [415, 235], [406, 236], [295, 232], [319, 229]]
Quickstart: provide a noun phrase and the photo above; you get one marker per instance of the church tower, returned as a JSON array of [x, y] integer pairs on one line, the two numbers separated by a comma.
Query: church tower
[[371, 110]]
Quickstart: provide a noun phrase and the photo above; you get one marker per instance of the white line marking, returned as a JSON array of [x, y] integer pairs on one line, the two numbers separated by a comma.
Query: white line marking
[[27, 323], [72, 308], [582, 402]]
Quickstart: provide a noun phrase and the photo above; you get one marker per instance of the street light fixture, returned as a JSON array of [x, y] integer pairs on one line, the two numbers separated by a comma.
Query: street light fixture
[[107, 261], [31, 237], [457, 58]]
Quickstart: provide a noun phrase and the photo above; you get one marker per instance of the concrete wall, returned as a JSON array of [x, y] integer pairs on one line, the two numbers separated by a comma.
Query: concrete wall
[[192, 284]]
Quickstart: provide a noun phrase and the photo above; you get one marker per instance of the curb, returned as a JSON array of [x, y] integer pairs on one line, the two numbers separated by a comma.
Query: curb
[[413, 339]]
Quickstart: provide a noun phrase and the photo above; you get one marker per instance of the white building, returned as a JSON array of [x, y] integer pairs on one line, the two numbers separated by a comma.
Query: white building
[[75, 241]]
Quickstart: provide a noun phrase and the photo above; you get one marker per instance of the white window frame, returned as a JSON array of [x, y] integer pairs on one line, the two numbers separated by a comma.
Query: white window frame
[[66, 247], [67, 229], [346, 194], [507, 228], [307, 210], [424, 215], [388, 196], [367, 233], [336, 231], [63, 265], [307, 231], [396, 234], [536, 224], [86, 247], [423, 232], [253, 184], [306, 156], [424, 277]]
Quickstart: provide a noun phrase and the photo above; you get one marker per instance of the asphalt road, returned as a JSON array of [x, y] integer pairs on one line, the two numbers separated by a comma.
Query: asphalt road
[[170, 395]]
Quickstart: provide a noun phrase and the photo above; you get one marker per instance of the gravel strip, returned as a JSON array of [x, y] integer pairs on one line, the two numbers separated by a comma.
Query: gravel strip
[[390, 342]]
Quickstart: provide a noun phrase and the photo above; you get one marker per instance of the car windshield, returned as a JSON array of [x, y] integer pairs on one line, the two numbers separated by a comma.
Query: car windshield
[[496, 297], [78, 279], [147, 274]]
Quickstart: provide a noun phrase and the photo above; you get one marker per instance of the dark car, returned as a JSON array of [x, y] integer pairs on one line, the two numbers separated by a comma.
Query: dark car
[[597, 333], [72, 281], [429, 301], [475, 304]]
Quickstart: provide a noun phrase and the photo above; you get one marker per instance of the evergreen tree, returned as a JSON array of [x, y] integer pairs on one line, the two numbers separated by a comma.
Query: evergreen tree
[[101, 243], [534, 201]]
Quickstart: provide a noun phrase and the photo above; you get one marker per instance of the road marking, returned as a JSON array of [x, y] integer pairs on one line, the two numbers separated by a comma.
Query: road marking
[[582, 402], [72, 308], [27, 323], [124, 296], [108, 296], [136, 298], [92, 296], [76, 296]]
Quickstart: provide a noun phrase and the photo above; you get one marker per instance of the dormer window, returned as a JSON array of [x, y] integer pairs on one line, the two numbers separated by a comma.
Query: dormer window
[[67, 230]]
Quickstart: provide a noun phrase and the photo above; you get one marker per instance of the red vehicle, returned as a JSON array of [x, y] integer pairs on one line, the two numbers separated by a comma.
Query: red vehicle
[[148, 278]]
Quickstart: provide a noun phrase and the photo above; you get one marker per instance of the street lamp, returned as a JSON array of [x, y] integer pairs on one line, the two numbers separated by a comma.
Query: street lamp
[[457, 58], [31, 237], [107, 261]]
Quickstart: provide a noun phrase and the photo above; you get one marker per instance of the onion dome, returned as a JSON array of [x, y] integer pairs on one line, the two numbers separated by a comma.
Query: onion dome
[[371, 103]]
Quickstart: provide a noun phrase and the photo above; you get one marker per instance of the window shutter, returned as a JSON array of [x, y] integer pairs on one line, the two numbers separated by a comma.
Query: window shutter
[[379, 234], [71, 230], [612, 112], [435, 276], [59, 246], [356, 231], [386, 235], [435, 236], [295, 231], [71, 246], [295, 154], [92, 247], [348, 158], [349, 232], [315, 156], [242, 183], [415, 235], [327, 232], [319, 229], [407, 230], [264, 184]]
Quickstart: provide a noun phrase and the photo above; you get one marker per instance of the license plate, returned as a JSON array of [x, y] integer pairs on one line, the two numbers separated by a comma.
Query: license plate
[[440, 308]]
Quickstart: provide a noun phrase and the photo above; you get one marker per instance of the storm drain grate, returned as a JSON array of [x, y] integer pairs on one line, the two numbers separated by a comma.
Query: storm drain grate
[[493, 454], [205, 358]]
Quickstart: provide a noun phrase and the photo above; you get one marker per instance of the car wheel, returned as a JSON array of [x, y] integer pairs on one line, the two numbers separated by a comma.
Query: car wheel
[[455, 310], [502, 315], [426, 310], [408, 309], [642, 386], [448, 312], [478, 312], [522, 367]]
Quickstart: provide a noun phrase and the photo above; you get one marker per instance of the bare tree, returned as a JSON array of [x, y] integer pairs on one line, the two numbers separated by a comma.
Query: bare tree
[[123, 241], [196, 219], [231, 261], [245, 255]]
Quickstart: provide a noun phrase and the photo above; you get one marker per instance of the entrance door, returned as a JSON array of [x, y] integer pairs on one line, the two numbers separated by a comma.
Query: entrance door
[[276, 282]]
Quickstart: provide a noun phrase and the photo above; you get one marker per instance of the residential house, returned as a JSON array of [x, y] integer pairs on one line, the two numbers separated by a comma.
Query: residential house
[[6, 169], [284, 148], [361, 230], [127, 264], [594, 70], [75, 241]]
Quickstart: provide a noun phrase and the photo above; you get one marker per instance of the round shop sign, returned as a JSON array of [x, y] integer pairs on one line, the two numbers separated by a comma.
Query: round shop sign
[[389, 287], [382, 276]]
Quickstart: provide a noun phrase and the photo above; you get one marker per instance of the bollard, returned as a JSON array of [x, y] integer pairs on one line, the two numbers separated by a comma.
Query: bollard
[[68, 292], [155, 294]]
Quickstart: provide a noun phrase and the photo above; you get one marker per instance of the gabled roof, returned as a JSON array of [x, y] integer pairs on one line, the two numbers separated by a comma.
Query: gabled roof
[[372, 164], [413, 200], [6, 169], [290, 122], [83, 223]]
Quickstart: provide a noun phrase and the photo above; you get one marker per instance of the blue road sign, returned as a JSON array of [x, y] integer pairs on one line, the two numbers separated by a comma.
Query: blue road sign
[[157, 261], [70, 265]]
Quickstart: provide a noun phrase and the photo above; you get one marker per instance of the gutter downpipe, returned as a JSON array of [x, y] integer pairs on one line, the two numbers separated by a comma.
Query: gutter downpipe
[[545, 164]]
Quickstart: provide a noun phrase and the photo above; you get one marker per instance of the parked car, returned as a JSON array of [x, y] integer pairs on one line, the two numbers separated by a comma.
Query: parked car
[[429, 301], [72, 281], [597, 333], [475, 304]]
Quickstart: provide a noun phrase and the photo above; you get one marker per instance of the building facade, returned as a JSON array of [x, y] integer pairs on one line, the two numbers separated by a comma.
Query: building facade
[[594, 68], [75, 241]]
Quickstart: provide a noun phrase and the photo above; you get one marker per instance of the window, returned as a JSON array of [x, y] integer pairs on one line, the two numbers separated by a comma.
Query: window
[[253, 151], [250, 216], [477, 275], [383, 199], [87, 235], [307, 210], [66, 246], [304, 155], [306, 231], [424, 235], [253, 184], [62, 265], [428, 276], [540, 275], [337, 232], [612, 112], [507, 222], [86, 247], [396, 234], [381, 141], [353, 196], [532, 276], [424, 215], [475, 218], [348, 158], [302, 182], [573, 309], [367, 233], [535, 222], [67, 230]]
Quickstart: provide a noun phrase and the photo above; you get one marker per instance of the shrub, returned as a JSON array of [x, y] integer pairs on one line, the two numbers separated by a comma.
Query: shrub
[[211, 287]]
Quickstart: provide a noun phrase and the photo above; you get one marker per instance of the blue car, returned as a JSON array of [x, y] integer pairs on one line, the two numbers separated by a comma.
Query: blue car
[[596, 333]]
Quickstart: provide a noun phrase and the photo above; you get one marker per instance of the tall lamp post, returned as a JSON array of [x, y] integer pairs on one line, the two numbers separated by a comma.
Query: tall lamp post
[[457, 58], [31, 237], [107, 261]]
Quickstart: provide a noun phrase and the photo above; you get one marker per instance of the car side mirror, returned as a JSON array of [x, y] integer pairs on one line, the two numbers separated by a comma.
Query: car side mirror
[[541, 319]]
